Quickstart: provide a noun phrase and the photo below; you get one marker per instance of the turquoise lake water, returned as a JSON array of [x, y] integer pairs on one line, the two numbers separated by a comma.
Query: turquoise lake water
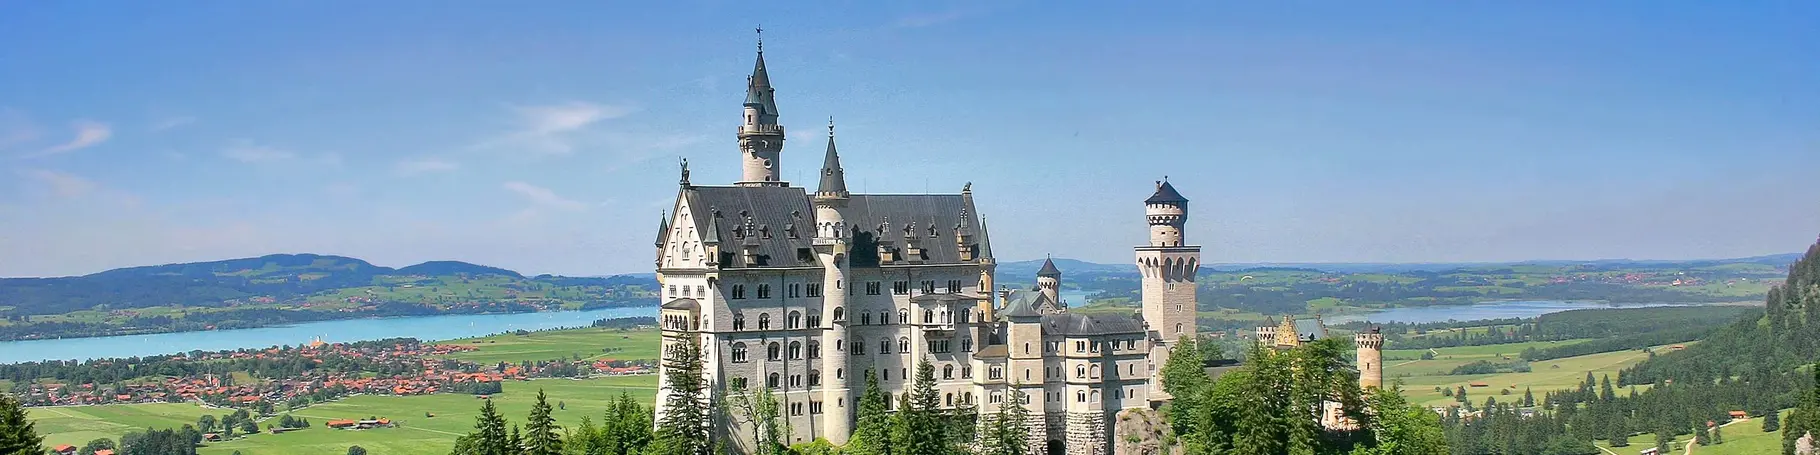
[[423, 328], [1486, 310]]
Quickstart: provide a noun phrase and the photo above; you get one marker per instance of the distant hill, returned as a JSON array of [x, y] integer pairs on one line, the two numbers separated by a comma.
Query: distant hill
[[278, 277], [1027, 269]]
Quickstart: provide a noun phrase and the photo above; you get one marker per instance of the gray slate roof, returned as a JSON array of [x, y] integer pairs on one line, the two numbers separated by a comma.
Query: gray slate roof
[[682, 304], [1049, 269], [834, 179], [1165, 193], [775, 210], [1310, 329], [758, 87], [1071, 324]]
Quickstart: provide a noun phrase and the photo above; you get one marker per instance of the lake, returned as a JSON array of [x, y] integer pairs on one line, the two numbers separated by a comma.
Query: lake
[[1483, 310], [423, 327]]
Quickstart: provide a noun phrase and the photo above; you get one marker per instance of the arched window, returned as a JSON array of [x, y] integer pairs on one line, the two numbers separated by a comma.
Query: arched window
[[764, 321], [928, 316], [739, 321], [884, 318], [840, 315], [1080, 371], [1096, 371], [1026, 348], [794, 320], [966, 397], [774, 352], [772, 381], [903, 344], [948, 372], [1178, 328], [840, 373], [739, 352], [815, 349], [815, 378], [966, 344], [966, 317], [903, 316], [796, 350], [949, 399], [884, 346]]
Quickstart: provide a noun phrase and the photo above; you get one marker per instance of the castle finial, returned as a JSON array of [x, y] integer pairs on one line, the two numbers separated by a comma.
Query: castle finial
[[830, 126], [685, 173], [760, 31]]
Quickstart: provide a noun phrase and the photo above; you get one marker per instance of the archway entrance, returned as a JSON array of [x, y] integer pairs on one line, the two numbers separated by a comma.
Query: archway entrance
[[1055, 448]]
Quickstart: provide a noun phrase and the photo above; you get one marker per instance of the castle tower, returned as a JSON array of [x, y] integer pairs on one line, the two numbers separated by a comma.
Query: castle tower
[[1049, 281], [831, 244], [1371, 358], [761, 139], [1168, 265]]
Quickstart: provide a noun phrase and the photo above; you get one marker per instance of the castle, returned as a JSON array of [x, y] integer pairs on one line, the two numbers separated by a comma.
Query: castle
[[804, 292], [1370, 356]]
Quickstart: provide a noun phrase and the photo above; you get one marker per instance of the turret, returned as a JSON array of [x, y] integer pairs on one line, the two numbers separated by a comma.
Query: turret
[[1167, 213], [663, 235], [1371, 358], [831, 243], [1049, 281], [761, 139]]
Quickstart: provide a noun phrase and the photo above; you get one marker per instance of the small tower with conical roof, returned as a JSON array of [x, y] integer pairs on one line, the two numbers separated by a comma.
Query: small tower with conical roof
[[761, 139], [1049, 281]]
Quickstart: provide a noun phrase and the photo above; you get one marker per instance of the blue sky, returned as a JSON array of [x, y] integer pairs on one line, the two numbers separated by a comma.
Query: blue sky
[[543, 137]]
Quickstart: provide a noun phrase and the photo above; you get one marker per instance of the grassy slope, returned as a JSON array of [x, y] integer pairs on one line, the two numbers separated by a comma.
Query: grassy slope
[[587, 343], [76, 425], [1744, 437], [1421, 377]]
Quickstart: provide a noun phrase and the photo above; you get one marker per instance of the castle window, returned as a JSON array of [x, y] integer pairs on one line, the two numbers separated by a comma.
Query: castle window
[[1096, 372], [954, 286], [814, 289], [928, 286], [686, 291], [871, 288], [1080, 346], [815, 407], [794, 320], [1178, 328], [903, 344], [739, 321], [739, 291], [997, 397], [764, 291], [928, 316], [1080, 371], [815, 349], [773, 351], [738, 383], [796, 409], [701, 291], [859, 348], [884, 374], [865, 319], [1026, 374], [966, 316], [903, 317], [739, 353], [1096, 346], [840, 373], [764, 321], [966, 372], [900, 287], [796, 350], [949, 399], [1178, 308], [772, 381], [815, 378], [840, 314], [966, 345], [1080, 396], [966, 398], [884, 346], [815, 320], [948, 372], [796, 290], [796, 381], [672, 291], [997, 372], [1026, 348]]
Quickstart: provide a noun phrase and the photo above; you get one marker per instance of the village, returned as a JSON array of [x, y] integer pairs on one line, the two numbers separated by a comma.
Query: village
[[332, 371]]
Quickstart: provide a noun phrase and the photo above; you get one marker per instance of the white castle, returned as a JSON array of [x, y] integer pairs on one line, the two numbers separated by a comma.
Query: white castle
[[803, 292]]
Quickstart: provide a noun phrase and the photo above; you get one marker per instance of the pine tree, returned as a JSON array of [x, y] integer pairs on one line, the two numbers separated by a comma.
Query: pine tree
[[16, 433], [1620, 435], [922, 425], [1717, 436], [626, 429], [1772, 422], [517, 440], [872, 435], [543, 434], [1606, 394], [585, 439], [1529, 399], [1007, 431], [1700, 434], [489, 435], [685, 428], [1665, 439]]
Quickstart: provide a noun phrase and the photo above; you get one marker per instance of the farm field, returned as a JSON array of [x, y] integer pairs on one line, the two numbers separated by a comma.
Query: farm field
[[415, 433], [588, 343], [1742, 437], [1423, 379]]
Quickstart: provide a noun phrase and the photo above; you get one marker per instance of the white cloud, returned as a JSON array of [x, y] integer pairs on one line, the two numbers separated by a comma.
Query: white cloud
[[553, 129], [248, 152], [543, 197], [172, 122], [417, 166], [62, 184], [88, 134]]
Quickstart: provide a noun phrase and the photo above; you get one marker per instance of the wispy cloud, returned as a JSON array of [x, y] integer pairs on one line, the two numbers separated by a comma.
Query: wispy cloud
[[417, 166], [171, 122], [553, 129], [61, 184], [248, 152], [88, 134], [543, 197]]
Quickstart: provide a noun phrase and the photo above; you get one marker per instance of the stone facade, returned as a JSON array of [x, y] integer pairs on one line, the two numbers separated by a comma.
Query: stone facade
[[804, 292]]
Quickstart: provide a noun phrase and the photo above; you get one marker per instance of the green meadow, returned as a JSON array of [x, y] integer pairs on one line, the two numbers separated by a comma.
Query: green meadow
[[588, 343], [1423, 380]]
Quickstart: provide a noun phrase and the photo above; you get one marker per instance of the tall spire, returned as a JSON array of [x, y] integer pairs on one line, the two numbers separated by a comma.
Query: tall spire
[[985, 239], [758, 86], [834, 179], [663, 228]]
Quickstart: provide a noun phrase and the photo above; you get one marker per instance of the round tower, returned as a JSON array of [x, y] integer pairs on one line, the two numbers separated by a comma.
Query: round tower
[[830, 245], [1167, 212], [1371, 358], [1049, 281], [761, 139]]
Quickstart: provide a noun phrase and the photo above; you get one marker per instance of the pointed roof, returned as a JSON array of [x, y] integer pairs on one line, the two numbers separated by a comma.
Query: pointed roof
[[834, 179], [1165, 194], [985, 239], [758, 87], [1049, 269], [712, 234], [663, 228]]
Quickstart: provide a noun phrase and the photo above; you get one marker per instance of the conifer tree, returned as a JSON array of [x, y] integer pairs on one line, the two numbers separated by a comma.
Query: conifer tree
[[1772, 422], [872, 435], [1007, 431], [517, 441], [17, 435], [1665, 439], [922, 427], [1717, 435], [1620, 434], [626, 428], [489, 436], [1700, 434], [543, 434], [1529, 399], [685, 428]]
